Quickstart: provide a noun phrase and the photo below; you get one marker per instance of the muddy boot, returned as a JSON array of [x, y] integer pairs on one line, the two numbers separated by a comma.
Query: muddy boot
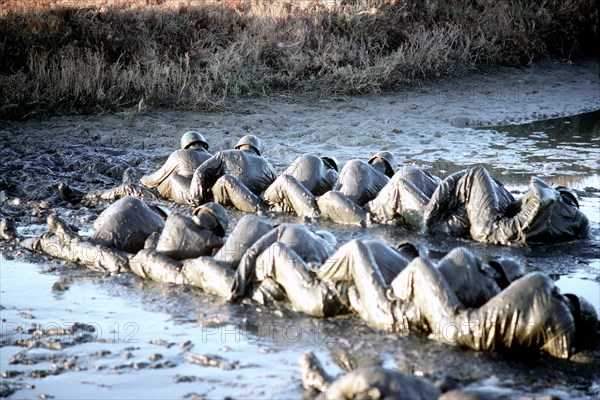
[[313, 375], [69, 194], [7, 229]]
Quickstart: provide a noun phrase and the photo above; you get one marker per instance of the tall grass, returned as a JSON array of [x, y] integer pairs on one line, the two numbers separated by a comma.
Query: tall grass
[[114, 56]]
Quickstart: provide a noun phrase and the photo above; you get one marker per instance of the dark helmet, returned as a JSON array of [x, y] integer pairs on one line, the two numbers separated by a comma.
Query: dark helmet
[[252, 141], [408, 250], [217, 212], [568, 195], [331, 162], [389, 159], [584, 317], [191, 137], [508, 270]]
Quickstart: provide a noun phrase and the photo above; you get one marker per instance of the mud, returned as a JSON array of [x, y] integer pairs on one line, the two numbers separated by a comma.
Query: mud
[[71, 333]]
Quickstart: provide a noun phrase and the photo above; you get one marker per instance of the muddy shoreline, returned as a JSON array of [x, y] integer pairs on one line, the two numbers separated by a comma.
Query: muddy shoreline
[[250, 351]]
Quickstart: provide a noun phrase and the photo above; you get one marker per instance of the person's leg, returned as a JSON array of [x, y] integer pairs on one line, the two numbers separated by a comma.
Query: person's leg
[[175, 188], [211, 276], [399, 202], [421, 284], [338, 208], [487, 203], [354, 265], [288, 194], [228, 191], [156, 266], [528, 314], [67, 245], [304, 290]]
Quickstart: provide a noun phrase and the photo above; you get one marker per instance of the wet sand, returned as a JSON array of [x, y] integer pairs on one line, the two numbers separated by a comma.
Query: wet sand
[[147, 340]]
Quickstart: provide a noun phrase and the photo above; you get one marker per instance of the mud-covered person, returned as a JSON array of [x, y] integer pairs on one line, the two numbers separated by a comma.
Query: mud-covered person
[[119, 231], [471, 203], [493, 314], [364, 383], [359, 182], [234, 177], [297, 188], [293, 264], [182, 252], [171, 181]]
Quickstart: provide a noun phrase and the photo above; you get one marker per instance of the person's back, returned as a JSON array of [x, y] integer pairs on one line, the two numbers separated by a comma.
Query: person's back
[[361, 181], [239, 173], [317, 175], [561, 221], [530, 313]]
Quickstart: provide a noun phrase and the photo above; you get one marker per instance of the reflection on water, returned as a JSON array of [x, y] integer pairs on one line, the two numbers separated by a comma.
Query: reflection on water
[[564, 151], [585, 126]]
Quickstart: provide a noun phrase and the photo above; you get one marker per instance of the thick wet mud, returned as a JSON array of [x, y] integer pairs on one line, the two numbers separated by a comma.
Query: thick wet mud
[[70, 333]]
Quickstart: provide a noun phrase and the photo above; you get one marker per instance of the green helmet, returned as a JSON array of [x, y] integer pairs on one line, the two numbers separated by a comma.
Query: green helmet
[[216, 211], [252, 141], [331, 162], [389, 159], [191, 137]]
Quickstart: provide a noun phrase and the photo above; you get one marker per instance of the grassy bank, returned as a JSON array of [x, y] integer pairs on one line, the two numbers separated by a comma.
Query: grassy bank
[[97, 59]]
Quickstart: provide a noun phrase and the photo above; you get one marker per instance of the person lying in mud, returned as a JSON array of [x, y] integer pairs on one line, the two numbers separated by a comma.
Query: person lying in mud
[[233, 177], [229, 273], [296, 189], [529, 313], [119, 231], [471, 203], [358, 183], [282, 267], [132, 236], [364, 383], [171, 181]]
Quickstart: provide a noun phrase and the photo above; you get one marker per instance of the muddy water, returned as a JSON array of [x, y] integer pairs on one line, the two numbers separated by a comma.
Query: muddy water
[[123, 337]]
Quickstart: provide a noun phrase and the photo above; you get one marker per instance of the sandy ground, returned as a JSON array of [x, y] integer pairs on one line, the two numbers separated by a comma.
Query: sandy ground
[[436, 126]]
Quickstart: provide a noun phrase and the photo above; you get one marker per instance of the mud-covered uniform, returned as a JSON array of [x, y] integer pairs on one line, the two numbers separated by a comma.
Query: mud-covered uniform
[[471, 203], [296, 188], [359, 183], [265, 274], [173, 179], [364, 383], [120, 230], [403, 199], [234, 178], [184, 254]]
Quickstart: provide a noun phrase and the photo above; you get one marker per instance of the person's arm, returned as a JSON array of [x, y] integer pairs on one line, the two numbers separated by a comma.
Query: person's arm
[[443, 200], [157, 177], [246, 269], [205, 177]]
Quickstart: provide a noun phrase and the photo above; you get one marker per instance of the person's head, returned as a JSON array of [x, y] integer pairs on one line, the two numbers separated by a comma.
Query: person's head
[[328, 237], [568, 195], [585, 318], [193, 138], [211, 216], [249, 142], [331, 162], [386, 161], [408, 250], [507, 270]]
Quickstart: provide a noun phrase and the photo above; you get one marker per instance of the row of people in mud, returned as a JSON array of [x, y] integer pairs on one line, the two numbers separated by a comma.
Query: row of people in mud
[[460, 300], [469, 203]]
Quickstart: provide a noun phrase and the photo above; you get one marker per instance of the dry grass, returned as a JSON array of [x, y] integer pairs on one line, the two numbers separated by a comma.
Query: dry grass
[[105, 56]]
